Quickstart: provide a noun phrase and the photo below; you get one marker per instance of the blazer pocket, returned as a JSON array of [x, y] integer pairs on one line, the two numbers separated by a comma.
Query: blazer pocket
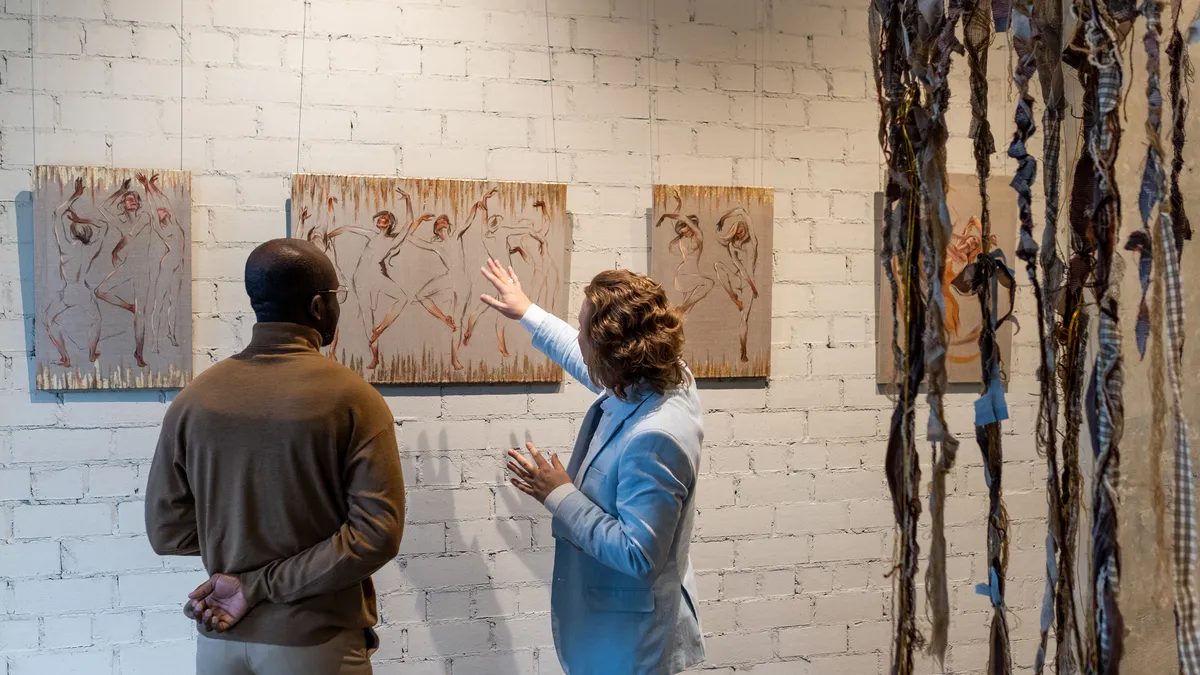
[[621, 599], [593, 481]]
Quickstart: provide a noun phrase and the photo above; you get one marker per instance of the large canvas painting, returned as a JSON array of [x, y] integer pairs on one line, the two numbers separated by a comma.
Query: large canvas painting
[[408, 254], [112, 267], [711, 250], [963, 318]]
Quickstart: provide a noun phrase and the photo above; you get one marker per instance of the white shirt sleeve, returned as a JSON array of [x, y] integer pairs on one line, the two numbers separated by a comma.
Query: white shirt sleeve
[[534, 316], [557, 496]]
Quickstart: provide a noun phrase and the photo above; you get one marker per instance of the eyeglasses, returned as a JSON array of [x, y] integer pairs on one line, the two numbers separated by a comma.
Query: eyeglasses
[[341, 292]]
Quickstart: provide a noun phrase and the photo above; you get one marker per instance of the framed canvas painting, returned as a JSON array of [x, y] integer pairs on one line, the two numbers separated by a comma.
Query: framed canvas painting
[[963, 316], [112, 268], [711, 249]]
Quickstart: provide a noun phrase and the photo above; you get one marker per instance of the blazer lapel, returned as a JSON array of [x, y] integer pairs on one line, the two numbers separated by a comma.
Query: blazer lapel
[[613, 429]]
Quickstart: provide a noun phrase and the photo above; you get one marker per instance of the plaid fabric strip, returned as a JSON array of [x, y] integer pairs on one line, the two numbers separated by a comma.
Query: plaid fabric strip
[[1187, 626], [1108, 379]]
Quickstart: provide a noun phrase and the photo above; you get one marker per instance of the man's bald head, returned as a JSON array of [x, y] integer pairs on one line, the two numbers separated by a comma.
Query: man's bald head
[[291, 280]]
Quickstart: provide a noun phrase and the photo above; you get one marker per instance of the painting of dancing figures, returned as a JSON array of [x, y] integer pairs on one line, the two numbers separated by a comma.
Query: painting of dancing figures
[[408, 254], [711, 250], [112, 267]]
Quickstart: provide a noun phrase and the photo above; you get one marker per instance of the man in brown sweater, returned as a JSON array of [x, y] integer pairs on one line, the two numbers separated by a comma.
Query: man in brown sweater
[[279, 467]]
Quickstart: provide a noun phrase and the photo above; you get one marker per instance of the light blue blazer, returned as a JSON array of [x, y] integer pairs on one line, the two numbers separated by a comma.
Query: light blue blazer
[[624, 595]]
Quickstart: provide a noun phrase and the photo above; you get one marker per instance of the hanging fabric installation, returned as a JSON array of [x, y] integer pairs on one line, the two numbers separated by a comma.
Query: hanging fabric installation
[[894, 28], [1058, 604], [1105, 404], [932, 69], [1174, 229], [1151, 204]]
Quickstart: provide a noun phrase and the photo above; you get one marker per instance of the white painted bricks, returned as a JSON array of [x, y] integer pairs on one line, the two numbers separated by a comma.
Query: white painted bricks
[[794, 528]]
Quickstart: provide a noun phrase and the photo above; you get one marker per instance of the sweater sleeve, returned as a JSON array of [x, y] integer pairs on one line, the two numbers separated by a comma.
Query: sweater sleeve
[[368, 540], [170, 505]]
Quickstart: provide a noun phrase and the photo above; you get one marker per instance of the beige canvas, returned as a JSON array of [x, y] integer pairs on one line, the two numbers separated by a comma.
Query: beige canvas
[[112, 267], [711, 250], [408, 254], [963, 317]]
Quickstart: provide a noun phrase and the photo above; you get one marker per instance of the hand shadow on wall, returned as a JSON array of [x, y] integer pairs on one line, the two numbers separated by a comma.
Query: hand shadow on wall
[[487, 603]]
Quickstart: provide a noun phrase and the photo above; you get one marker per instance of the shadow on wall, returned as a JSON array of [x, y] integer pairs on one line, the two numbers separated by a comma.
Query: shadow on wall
[[479, 605]]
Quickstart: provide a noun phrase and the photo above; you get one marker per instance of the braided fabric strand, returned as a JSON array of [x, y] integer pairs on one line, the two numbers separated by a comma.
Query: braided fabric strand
[[1174, 229], [932, 67], [895, 23], [1108, 377]]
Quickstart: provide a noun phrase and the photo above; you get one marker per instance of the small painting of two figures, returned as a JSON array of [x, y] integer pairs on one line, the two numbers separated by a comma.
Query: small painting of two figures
[[711, 249]]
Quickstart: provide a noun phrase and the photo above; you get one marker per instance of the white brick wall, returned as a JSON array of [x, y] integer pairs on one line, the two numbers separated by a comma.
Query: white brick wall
[[794, 528]]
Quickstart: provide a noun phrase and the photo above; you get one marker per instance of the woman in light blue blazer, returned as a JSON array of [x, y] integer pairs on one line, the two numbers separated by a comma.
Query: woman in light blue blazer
[[624, 595]]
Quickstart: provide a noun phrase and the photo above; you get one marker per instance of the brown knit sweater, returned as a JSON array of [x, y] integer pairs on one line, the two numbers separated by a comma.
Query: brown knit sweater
[[281, 466]]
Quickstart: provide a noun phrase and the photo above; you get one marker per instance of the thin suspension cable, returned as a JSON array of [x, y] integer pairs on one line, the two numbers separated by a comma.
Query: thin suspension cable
[[553, 112], [300, 105], [181, 89]]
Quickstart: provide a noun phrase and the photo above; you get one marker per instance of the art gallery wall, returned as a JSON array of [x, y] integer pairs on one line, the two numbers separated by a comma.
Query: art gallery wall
[[794, 534]]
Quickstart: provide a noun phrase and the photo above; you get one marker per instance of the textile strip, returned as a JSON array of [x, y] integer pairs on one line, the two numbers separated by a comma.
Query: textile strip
[[1108, 376], [895, 21], [932, 68]]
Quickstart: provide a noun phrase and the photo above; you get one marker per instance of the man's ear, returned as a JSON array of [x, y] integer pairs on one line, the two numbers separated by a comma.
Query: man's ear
[[316, 307]]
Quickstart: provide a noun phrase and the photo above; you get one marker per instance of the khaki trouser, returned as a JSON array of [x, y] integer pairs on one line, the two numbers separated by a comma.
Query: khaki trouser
[[346, 654]]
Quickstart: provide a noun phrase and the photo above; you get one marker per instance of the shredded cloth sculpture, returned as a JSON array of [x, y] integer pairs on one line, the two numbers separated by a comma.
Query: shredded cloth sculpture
[[894, 25], [1151, 204], [1106, 407], [1173, 230], [983, 278], [1062, 482], [932, 68]]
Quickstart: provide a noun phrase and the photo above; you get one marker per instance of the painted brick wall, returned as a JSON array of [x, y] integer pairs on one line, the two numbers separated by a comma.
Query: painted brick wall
[[794, 533]]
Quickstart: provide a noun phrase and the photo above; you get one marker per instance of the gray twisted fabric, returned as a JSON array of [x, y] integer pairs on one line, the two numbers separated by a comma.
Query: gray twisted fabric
[[932, 69], [1174, 229], [1108, 380], [1058, 604], [896, 21]]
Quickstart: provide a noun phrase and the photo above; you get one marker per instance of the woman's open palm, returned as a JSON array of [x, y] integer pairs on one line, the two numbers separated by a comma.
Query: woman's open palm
[[509, 300]]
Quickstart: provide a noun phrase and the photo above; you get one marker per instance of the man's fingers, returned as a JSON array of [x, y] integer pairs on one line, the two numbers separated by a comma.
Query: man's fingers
[[517, 471], [537, 456], [203, 590], [523, 487], [556, 462], [529, 466]]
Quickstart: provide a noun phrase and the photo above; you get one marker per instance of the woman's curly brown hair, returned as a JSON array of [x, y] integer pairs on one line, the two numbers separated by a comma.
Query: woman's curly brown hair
[[635, 332]]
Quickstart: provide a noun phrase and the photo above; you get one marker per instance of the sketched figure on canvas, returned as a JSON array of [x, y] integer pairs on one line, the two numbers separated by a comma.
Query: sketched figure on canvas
[[122, 287], [318, 235], [688, 244], [166, 251], [736, 234], [380, 298], [79, 242], [529, 242], [449, 295]]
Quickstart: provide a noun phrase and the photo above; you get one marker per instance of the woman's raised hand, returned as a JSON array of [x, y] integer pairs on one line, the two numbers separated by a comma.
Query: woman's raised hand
[[510, 300]]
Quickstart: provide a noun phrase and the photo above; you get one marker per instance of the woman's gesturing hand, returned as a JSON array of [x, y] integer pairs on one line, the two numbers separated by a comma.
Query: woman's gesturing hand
[[510, 300]]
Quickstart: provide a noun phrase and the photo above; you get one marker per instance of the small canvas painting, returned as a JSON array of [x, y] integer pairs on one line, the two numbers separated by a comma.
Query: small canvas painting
[[408, 254], [963, 316], [711, 251], [112, 267]]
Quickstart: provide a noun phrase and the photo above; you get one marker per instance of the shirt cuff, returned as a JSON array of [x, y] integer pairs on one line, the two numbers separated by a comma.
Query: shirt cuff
[[556, 497], [534, 316]]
